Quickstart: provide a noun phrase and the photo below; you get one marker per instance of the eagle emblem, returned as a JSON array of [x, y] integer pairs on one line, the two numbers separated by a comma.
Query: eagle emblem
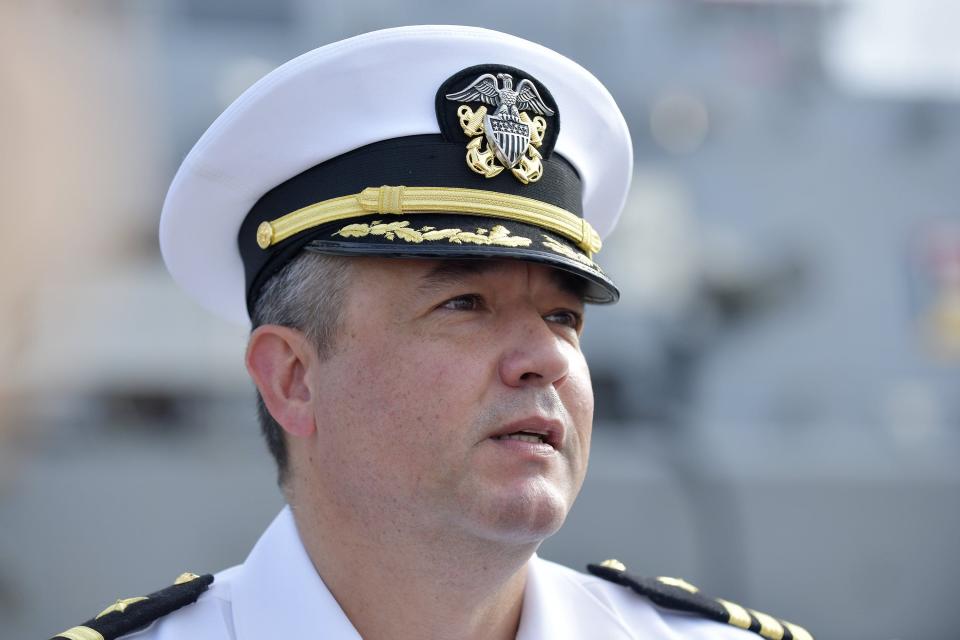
[[512, 136]]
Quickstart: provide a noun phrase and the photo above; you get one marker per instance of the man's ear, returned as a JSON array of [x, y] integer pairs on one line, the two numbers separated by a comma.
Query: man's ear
[[278, 359]]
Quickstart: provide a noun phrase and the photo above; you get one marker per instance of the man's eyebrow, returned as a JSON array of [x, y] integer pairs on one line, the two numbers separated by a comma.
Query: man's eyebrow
[[570, 283], [456, 271]]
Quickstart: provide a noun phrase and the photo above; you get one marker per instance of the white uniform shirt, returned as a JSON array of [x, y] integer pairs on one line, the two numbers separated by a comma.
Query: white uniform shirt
[[277, 593]]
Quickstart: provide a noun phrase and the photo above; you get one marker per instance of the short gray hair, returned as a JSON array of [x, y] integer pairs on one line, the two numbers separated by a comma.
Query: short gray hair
[[307, 294]]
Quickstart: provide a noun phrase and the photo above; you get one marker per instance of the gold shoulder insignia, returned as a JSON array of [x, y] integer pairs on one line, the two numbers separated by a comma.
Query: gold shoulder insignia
[[674, 593], [129, 614]]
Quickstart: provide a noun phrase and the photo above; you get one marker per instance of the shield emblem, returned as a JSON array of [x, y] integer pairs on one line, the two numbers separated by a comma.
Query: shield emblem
[[507, 136]]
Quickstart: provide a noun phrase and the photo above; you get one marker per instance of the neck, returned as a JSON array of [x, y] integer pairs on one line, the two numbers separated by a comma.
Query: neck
[[397, 584]]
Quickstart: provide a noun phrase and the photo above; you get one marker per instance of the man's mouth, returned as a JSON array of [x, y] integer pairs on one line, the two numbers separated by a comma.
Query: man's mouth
[[524, 436], [533, 431]]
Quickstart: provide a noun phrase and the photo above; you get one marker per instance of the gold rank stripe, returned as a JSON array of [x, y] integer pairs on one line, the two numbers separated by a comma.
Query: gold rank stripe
[[770, 628], [80, 633], [453, 200], [798, 632], [738, 616]]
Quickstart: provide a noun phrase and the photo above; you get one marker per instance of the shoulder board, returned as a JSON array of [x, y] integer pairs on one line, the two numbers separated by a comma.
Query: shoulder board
[[674, 593], [129, 614]]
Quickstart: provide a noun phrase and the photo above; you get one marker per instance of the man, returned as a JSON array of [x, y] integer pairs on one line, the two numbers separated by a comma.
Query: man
[[412, 236]]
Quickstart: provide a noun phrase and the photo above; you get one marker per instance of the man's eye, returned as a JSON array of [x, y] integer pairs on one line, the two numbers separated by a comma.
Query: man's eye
[[468, 302], [566, 317]]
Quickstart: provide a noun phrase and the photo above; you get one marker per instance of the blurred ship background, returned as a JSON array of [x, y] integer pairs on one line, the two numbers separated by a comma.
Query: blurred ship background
[[778, 414]]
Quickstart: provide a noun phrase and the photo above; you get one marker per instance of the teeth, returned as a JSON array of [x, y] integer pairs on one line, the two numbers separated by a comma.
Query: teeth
[[523, 437]]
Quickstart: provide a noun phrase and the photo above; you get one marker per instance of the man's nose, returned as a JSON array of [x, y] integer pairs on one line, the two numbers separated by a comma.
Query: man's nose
[[536, 354]]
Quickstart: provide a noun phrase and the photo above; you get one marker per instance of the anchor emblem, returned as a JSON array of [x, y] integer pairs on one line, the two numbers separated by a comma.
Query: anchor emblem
[[512, 136]]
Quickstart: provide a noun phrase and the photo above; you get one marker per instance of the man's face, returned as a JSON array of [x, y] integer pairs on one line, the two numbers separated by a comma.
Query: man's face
[[437, 368]]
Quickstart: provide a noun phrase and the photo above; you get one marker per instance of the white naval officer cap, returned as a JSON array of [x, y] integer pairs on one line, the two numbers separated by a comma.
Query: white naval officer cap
[[421, 141]]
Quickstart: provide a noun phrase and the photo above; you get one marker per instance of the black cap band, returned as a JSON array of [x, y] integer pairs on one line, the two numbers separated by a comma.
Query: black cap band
[[412, 161]]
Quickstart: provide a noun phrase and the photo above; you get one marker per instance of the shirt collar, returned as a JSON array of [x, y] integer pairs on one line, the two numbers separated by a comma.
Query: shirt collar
[[558, 605], [278, 593]]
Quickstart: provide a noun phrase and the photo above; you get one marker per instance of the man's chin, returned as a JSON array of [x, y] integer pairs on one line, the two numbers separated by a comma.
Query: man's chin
[[523, 514]]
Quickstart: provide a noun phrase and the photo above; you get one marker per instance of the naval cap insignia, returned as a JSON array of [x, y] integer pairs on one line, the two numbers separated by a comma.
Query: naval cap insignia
[[515, 129]]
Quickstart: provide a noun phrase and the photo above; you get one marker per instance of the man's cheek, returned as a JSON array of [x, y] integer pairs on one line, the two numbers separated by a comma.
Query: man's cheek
[[432, 367], [581, 396]]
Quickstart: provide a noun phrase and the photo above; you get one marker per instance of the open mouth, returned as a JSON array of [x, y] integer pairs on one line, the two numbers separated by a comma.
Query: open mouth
[[524, 436], [535, 430]]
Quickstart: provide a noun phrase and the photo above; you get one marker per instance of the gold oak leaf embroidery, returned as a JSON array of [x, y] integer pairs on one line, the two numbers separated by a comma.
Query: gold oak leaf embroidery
[[564, 250], [497, 236]]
